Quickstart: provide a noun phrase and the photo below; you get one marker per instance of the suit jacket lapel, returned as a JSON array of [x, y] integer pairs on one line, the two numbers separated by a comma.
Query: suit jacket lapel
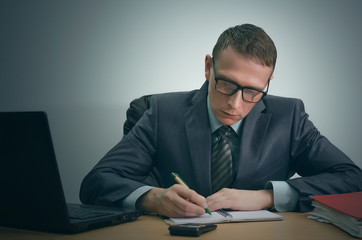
[[255, 126], [199, 138]]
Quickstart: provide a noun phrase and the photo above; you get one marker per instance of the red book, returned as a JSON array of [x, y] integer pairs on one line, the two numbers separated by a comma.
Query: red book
[[347, 203]]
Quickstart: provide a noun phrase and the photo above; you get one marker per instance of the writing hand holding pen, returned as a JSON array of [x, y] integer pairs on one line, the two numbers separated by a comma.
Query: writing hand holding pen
[[175, 201], [179, 180]]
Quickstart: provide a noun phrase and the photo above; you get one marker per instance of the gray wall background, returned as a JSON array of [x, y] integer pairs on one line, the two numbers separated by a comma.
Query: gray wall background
[[83, 62]]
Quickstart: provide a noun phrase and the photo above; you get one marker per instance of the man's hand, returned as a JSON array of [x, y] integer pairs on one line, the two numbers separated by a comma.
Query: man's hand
[[240, 200], [176, 201]]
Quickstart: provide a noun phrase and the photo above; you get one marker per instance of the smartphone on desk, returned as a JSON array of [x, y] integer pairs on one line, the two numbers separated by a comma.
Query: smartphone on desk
[[191, 229]]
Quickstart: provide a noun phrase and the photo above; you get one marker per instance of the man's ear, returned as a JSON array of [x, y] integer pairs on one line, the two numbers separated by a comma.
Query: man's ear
[[208, 66], [271, 77]]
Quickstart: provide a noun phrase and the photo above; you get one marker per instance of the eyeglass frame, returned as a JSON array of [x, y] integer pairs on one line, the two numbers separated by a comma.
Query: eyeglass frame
[[238, 87]]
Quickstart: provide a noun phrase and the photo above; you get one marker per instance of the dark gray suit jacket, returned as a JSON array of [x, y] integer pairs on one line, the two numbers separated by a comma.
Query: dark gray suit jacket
[[277, 140]]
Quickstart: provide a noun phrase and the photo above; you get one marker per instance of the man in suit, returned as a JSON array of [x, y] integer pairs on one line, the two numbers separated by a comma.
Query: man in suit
[[269, 139]]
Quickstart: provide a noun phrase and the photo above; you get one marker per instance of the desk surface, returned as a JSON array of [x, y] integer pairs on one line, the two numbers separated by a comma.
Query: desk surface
[[294, 226]]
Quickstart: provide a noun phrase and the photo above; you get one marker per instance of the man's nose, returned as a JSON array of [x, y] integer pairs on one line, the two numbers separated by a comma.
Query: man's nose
[[236, 99]]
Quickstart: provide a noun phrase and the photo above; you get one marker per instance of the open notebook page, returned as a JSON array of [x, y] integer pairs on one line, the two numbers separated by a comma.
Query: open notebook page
[[236, 216]]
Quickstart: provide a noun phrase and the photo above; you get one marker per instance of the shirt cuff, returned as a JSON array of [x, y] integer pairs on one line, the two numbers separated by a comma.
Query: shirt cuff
[[131, 199], [285, 196]]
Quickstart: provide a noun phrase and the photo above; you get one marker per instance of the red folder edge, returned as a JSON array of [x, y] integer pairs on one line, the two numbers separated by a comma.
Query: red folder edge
[[347, 203]]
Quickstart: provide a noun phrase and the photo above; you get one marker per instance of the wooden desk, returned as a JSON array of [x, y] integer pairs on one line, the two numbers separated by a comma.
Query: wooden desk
[[294, 226]]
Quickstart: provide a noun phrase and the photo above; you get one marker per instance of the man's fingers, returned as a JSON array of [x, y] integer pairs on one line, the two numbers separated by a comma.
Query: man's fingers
[[240, 199], [218, 200], [189, 201], [176, 201]]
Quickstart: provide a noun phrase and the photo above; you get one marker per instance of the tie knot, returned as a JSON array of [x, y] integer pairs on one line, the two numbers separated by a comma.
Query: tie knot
[[224, 131]]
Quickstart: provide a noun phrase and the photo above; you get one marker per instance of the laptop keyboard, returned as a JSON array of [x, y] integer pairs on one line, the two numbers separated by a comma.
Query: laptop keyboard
[[83, 213]]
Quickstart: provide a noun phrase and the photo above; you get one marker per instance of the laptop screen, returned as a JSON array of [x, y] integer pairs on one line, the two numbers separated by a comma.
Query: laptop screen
[[31, 190]]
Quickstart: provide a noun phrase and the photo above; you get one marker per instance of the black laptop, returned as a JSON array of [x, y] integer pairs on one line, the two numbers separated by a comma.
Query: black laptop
[[31, 192]]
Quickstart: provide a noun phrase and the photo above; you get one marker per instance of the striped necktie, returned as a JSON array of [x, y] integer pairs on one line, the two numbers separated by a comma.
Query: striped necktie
[[221, 161]]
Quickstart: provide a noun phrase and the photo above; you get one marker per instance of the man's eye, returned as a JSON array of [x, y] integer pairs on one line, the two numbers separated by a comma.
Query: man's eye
[[250, 92], [227, 85]]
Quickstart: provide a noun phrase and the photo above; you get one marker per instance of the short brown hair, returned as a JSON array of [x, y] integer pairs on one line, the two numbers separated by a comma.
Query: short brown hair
[[249, 40]]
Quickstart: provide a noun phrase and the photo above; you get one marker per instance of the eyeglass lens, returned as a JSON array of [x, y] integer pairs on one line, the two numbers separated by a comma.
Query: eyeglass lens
[[248, 94]]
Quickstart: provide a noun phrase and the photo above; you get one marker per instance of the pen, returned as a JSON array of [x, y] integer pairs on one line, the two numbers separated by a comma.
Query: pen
[[179, 180]]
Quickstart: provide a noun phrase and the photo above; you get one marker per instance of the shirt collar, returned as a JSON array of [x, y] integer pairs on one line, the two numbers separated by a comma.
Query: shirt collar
[[215, 124]]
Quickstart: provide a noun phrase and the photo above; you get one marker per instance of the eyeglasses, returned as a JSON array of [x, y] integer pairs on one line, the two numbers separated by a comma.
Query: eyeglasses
[[228, 88]]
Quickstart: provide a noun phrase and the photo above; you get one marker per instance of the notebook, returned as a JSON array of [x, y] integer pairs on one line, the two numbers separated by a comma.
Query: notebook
[[222, 216], [31, 192]]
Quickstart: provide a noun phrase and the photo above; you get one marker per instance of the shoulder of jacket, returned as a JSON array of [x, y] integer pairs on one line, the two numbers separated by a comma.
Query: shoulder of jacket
[[281, 103]]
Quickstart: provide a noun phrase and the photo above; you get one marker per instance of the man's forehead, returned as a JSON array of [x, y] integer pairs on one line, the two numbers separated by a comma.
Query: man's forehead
[[242, 70], [225, 55]]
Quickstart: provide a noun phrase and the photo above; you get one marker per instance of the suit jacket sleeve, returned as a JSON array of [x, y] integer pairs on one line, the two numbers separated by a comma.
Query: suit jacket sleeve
[[125, 167], [323, 168]]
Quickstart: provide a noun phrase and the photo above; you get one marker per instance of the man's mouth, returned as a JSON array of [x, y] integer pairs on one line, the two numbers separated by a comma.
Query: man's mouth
[[228, 114]]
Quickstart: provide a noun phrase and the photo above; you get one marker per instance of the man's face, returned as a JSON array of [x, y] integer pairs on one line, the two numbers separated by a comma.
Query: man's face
[[245, 72]]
